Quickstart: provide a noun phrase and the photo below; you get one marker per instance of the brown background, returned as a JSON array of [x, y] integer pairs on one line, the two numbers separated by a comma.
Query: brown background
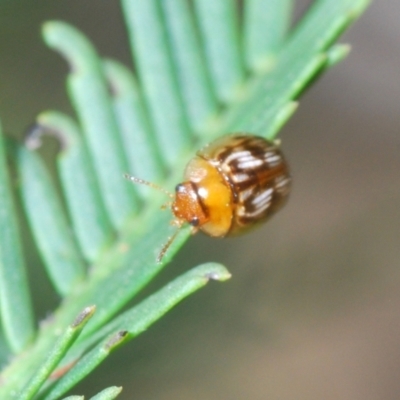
[[312, 311]]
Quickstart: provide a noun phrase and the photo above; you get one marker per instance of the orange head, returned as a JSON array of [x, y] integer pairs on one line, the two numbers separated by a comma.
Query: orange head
[[187, 206]]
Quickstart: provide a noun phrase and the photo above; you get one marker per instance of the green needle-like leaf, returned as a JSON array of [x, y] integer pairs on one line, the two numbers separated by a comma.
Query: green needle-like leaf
[[15, 302], [337, 53], [192, 72], [108, 394], [89, 219], [265, 28], [87, 364], [5, 353], [135, 321], [153, 59], [301, 58], [49, 223], [137, 134], [140, 317], [89, 94], [219, 27], [113, 288], [259, 112], [61, 347]]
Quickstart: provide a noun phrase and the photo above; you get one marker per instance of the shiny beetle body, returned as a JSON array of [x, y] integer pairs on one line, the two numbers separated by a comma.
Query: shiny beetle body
[[232, 185]]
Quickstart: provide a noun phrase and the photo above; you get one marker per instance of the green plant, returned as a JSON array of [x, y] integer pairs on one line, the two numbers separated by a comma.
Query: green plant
[[197, 81]]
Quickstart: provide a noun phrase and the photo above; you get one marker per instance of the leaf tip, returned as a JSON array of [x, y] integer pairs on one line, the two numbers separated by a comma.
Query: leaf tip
[[115, 340], [50, 29], [217, 272], [337, 53], [83, 316]]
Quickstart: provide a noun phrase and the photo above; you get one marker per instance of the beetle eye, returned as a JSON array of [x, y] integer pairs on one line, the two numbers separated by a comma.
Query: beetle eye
[[179, 188], [194, 222]]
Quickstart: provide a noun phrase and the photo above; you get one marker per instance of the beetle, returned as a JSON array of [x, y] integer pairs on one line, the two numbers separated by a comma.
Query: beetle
[[231, 186]]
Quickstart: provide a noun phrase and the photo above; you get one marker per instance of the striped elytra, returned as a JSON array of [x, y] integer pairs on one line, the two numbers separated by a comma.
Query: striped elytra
[[230, 186]]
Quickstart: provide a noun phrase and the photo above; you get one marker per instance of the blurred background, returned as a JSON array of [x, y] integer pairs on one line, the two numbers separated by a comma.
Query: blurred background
[[313, 308]]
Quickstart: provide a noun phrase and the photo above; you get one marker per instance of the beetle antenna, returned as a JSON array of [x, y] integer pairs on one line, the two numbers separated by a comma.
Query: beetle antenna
[[166, 246], [152, 185]]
